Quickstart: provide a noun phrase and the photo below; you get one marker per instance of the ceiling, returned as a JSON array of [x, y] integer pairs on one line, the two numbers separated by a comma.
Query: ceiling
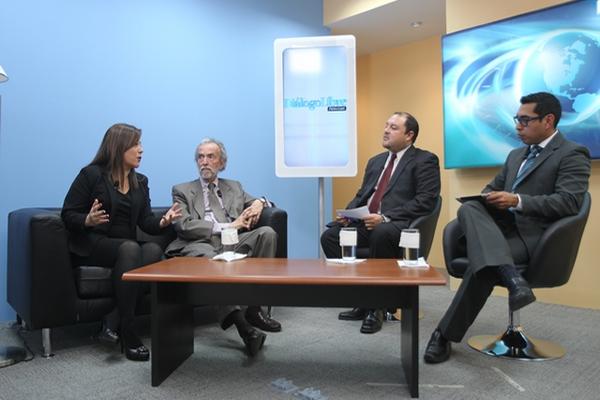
[[389, 25]]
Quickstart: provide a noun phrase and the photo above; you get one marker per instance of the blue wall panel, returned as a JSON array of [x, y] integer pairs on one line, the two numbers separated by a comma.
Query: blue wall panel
[[179, 69]]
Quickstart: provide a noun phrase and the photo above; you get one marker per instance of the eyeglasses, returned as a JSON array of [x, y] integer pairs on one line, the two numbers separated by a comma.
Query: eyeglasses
[[524, 120]]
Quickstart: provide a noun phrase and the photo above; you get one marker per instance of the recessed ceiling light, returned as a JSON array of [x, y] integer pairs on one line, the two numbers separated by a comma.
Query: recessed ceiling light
[[416, 24]]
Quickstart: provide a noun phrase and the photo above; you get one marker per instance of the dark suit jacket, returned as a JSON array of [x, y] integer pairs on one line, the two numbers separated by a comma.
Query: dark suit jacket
[[551, 189], [91, 183], [412, 190], [192, 230]]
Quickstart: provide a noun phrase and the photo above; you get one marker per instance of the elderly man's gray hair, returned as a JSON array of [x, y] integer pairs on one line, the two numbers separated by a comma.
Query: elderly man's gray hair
[[221, 150]]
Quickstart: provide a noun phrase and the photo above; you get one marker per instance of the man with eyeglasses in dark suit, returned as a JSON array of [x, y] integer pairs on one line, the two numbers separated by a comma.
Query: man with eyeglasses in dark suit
[[538, 184]]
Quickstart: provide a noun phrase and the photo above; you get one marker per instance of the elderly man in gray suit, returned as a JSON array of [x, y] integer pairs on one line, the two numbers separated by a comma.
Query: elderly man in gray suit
[[209, 205], [539, 184]]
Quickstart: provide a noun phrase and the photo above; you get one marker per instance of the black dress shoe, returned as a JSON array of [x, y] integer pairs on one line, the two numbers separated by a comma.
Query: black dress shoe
[[438, 348], [254, 340], [107, 335], [139, 353], [256, 318], [132, 345], [356, 314], [372, 322], [519, 294]]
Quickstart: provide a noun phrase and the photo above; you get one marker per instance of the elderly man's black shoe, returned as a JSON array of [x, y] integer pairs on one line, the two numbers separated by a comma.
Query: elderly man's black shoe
[[372, 322], [438, 349], [253, 340], [256, 318], [519, 294], [356, 314]]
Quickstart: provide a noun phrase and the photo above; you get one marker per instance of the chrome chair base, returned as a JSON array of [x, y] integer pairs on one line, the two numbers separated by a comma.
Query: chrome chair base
[[515, 344], [11, 355]]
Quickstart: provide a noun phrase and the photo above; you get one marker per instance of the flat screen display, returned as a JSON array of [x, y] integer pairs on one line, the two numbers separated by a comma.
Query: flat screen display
[[488, 68]]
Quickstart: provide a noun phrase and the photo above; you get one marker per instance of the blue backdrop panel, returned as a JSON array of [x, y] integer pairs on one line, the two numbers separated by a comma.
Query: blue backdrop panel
[[180, 70]]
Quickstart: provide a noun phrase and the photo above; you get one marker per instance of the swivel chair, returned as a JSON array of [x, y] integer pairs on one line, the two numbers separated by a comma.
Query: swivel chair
[[426, 225], [550, 266]]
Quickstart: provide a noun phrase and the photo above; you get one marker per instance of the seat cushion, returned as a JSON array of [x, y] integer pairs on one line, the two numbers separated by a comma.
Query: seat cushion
[[458, 267], [93, 282]]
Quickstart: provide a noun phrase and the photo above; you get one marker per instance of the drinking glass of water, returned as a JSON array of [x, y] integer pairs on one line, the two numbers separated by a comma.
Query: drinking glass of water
[[348, 243], [409, 243], [229, 238]]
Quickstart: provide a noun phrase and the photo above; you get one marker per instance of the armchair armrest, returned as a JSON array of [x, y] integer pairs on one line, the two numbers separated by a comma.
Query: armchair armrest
[[426, 225], [40, 285], [454, 251], [276, 218]]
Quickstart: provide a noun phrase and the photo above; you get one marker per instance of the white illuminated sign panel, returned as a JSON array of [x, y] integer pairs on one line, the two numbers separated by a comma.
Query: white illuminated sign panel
[[315, 106]]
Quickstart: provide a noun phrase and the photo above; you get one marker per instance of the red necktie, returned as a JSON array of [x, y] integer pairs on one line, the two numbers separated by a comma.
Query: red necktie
[[383, 182]]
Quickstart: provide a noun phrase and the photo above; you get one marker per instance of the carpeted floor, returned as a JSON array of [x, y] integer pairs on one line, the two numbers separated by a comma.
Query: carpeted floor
[[316, 352]]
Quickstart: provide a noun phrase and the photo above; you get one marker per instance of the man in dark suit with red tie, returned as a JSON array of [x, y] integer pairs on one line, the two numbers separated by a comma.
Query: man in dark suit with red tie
[[399, 185]]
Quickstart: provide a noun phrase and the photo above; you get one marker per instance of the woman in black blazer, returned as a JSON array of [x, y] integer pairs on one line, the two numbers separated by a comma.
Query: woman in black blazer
[[102, 209]]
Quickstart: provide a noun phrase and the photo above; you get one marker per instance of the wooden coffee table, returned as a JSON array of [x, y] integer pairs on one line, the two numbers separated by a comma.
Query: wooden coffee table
[[179, 284]]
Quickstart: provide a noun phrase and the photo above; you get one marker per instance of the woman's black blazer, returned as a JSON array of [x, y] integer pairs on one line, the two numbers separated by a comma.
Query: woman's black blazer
[[91, 183]]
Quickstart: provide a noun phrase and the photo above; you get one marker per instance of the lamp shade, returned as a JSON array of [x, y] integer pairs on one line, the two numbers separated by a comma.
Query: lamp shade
[[3, 76]]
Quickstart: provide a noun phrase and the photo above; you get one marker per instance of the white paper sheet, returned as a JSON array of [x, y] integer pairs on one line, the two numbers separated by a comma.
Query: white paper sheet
[[229, 256], [421, 263], [342, 261], [354, 213]]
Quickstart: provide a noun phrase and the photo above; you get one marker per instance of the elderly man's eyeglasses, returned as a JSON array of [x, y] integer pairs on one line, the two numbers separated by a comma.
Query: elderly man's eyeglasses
[[524, 120]]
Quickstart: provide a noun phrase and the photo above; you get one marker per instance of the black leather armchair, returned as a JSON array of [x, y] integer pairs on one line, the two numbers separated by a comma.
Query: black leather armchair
[[550, 266], [47, 291]]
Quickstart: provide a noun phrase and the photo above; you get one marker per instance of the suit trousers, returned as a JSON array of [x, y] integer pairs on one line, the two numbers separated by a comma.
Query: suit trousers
[[382, 240], [492, 239], [259, 242]]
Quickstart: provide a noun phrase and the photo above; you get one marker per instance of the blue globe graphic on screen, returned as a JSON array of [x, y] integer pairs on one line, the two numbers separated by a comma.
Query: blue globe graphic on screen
[[566, 64]]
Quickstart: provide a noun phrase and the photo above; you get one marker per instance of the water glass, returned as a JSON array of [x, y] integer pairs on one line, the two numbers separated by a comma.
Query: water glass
[[409, 243], [348, 238], [229, 238]]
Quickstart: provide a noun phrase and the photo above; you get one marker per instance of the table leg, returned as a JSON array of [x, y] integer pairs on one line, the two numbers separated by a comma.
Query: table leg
[[409, 347], [172, 330]]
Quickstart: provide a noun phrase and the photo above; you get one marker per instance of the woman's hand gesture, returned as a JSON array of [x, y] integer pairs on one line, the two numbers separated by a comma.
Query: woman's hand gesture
[[97, 215], [171, 215]]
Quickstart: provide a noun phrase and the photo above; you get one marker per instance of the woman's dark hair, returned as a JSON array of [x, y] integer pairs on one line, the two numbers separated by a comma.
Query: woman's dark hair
[[117, 140]]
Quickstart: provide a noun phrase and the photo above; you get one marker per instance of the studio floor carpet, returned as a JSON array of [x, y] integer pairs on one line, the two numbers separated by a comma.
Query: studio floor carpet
[[318, 355]]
